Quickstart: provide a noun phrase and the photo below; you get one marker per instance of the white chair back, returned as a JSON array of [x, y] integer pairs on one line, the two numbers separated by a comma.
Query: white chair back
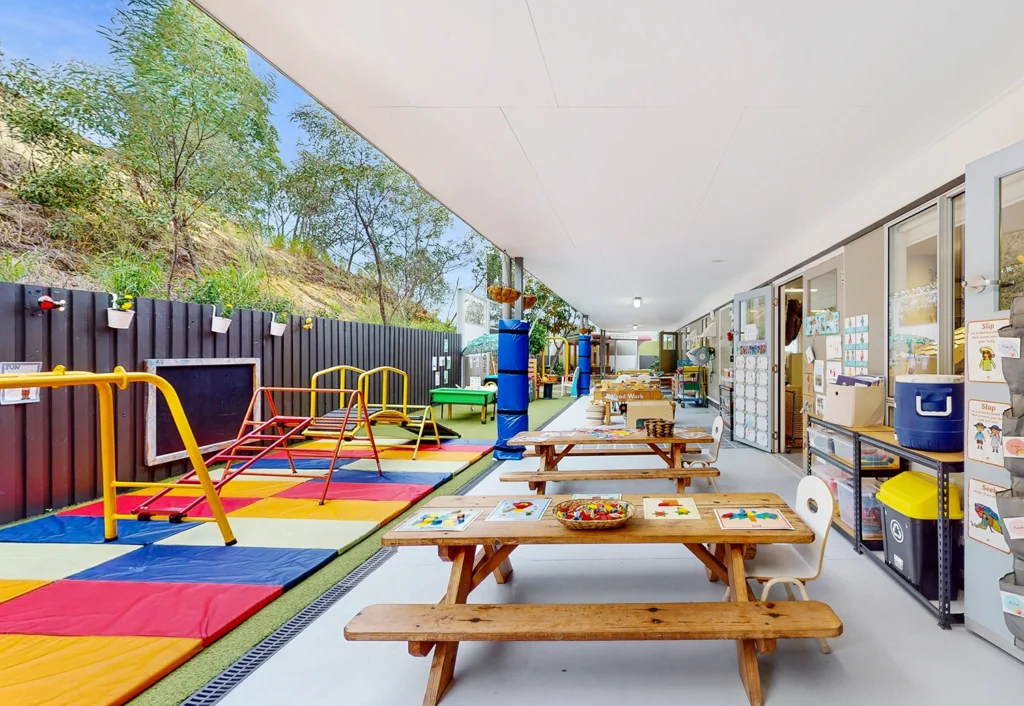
[[717, 429], [818, 518], [622, 378], [644, 377]]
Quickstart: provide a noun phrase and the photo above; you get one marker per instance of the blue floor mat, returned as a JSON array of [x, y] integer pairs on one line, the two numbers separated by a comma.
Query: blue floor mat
[[74, 529], [189, 564], [431, 479], [300, 463]]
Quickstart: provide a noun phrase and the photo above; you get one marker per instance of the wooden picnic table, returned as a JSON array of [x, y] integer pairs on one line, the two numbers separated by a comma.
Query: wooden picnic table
[[482, 549]]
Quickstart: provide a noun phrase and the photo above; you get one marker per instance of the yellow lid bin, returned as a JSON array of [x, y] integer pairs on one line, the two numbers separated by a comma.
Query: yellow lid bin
[[916, 495]]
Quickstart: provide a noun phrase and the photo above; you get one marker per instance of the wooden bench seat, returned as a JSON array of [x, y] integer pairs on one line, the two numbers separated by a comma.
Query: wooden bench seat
[[592, 622], [538, 480]]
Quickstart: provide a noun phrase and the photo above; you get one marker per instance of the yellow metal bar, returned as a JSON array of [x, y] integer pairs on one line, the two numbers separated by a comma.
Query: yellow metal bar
[[149, 484], [164, 514], [108, 461], [343, 369]]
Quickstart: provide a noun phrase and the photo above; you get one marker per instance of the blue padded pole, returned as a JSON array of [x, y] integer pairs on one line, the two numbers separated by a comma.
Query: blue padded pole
[[583, 356], [513, 386]]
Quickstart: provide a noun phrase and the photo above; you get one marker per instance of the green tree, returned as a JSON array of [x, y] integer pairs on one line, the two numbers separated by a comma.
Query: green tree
[[187, 116]]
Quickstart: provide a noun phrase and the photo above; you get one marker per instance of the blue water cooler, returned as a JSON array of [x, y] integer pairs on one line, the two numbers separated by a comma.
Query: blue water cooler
[[930, 412]]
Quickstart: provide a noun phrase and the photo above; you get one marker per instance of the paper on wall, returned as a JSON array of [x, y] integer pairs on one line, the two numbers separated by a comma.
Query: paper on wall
[[982, 350], [819, 376], [833, 369], [833, 347], [984, 524], [984, 431]]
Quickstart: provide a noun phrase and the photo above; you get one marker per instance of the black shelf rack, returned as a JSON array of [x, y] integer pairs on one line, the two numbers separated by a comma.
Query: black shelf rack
[[942, 608]]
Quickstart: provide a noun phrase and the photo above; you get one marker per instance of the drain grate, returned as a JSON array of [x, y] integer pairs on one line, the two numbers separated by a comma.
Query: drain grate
[[218, 687]]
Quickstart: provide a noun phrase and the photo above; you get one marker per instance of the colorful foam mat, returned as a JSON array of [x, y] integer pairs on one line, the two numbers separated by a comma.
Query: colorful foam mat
[[92, 623]]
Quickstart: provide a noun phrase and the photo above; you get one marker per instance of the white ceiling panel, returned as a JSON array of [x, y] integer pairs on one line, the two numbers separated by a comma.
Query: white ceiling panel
[[620, 147]]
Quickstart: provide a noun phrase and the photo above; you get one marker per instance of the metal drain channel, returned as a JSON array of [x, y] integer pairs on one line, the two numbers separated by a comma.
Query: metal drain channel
[[218, 687]]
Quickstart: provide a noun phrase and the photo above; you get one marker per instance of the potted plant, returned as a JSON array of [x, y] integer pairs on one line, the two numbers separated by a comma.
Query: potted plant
[[586, 330], [528, 302], [220, 324], [120, 312], [503, 295], [279, 324]]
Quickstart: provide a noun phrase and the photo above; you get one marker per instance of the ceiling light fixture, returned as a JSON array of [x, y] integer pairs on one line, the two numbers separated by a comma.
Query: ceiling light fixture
[[717, 261], [634, 327], [637, 301]]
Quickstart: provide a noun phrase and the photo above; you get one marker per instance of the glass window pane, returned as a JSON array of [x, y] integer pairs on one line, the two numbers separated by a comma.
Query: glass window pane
[[1011, 237], [752, 319], [823, 294], [913, 295], [958, 291]]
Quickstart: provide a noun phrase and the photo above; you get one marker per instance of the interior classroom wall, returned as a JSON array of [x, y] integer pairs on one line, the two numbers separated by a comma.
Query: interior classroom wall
[[865, 293]]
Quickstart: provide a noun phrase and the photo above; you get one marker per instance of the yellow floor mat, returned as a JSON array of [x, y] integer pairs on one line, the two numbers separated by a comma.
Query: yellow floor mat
[[242, 487], [406, 454], [41, 670], [378, 511], [12, 588]]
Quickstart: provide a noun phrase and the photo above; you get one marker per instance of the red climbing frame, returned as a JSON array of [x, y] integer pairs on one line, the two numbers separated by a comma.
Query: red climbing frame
[[257, 439]]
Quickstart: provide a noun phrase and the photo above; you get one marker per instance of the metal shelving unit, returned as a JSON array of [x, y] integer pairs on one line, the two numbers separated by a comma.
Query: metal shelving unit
[[942, 608]]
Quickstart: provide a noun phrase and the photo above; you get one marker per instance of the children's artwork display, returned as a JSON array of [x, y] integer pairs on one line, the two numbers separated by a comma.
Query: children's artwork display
[[437, 520], [748, 518], [984, 523], [822, 323], [983, 362], [670, 509], [834, 347], [819, 376], [833, 369], [597, 496], [984, 431], [856, 342], [819, 405], [856, 324], [525, 510]]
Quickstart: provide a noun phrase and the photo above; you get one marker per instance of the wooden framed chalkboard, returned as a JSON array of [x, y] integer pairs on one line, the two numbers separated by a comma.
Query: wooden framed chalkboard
[[215, 394]]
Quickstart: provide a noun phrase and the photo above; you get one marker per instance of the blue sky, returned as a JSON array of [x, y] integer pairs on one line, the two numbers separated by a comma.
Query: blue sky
[[48, 31]]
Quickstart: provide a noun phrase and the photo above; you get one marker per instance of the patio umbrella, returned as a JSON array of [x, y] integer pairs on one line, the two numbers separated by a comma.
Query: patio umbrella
[[488, 343]]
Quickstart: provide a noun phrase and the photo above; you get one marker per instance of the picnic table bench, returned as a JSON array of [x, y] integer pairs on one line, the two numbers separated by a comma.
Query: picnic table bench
[[554, 446], [483, 548]]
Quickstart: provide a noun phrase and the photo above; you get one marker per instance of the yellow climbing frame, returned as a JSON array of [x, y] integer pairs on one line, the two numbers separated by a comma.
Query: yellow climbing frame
[[397, 414], [60, 377], [342, 370]]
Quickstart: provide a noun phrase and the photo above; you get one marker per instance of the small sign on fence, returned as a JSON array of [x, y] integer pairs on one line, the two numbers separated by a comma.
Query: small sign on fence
[[19, 395]]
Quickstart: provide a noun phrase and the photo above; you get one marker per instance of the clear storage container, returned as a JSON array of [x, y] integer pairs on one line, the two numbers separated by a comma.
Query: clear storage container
[[821, 440], [870, 457], [870, 508], [831, 475]]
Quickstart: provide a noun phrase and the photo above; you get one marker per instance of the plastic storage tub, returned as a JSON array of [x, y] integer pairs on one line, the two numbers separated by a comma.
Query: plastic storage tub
[[821, 440], [911, 538], [870, 508], [870, 457], [831, 475], [930, 412]]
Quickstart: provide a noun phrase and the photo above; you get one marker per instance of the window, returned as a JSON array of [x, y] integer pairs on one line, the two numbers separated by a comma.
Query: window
[[958, 290], [1011, 238], [752, 319], [913, 295]]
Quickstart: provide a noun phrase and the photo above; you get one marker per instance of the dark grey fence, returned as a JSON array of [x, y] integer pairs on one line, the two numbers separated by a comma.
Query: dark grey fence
[[49, 450]]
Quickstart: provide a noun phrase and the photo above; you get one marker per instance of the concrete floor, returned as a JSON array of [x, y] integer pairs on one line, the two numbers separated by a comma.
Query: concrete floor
[[891, 651]]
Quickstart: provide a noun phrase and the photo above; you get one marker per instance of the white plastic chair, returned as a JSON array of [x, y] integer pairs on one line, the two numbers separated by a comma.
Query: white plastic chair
[[709, 457], [797, 564]]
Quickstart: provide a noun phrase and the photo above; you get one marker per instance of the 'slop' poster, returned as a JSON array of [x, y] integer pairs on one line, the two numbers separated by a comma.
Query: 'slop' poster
[[984, 431]]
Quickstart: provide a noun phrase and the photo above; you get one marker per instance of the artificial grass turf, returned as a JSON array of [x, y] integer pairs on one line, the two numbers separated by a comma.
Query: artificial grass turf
[[194, 674]]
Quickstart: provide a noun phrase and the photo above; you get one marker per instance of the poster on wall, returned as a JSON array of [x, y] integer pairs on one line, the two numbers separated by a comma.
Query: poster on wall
[[822, 323], [20, 395], [984, 523], [833, 369], [834, 347], [855, 324], [819, 405], [982, 345], [433, 363], [984, 431], [819, 376]]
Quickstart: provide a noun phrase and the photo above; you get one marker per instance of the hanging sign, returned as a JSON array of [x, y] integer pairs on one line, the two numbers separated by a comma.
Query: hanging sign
[[984, 431], [984, 523], [20, 395]]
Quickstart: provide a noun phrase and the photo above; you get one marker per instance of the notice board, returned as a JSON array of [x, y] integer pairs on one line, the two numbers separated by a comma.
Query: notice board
[[214, 393]]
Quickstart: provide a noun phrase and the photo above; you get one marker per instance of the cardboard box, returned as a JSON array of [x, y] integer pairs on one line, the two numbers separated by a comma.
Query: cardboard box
[[854, 406], [639, 410]]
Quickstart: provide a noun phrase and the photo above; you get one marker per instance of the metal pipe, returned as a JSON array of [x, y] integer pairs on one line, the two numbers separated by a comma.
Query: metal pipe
[[519, 287]]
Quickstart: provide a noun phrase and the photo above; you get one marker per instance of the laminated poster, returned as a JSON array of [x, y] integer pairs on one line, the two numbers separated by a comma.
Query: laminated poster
[[525, 510], [433, 363], [437, 520], [753, 518], [819, 405], [20, 395], [819, 376], [670, 509], [983, 364], [834, 347], [1012, 603], [437, 378], [984, 431], [984, 523]]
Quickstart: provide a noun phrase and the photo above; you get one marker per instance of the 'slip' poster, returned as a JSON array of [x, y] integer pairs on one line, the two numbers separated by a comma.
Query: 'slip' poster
[[984, 431], [983, 362]]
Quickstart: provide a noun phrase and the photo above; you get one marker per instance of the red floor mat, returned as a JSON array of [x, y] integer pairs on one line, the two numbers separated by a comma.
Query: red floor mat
[[127, 503], [69, 607], [358, 491]]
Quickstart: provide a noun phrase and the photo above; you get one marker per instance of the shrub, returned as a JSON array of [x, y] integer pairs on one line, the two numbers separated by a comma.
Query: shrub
[[68, 186], [135, 275], [14, 269]]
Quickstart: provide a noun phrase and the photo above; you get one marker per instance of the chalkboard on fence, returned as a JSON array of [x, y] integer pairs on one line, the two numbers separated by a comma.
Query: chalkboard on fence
[[215, 394]]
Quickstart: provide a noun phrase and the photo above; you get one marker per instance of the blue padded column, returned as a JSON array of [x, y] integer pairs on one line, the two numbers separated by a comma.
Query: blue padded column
[[583, 358], [513, 386]]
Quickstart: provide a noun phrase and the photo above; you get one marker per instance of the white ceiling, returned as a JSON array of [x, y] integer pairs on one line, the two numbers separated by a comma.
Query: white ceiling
[[621, 147]]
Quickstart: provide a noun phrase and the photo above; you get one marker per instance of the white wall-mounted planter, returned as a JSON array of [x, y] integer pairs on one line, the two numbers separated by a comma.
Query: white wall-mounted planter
[[118, 318], [220, 324], [277, 329]]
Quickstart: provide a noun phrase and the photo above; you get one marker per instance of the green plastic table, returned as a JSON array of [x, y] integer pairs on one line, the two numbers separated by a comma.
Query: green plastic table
[[456, 395]]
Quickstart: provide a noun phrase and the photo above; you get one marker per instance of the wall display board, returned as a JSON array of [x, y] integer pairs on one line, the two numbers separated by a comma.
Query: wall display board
[[856, 341], [215, 395]]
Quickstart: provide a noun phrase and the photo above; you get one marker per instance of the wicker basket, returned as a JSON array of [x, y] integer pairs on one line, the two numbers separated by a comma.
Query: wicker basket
[[529, 301], [592, 524], [659, 428], [503, 295]]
